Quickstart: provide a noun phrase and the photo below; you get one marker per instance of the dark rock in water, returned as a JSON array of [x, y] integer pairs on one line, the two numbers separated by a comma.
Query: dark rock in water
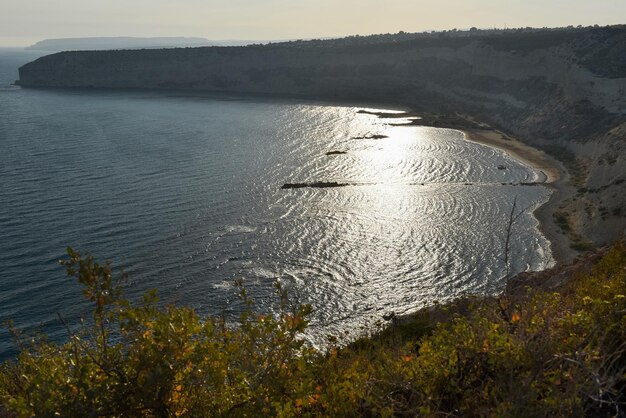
[[501, 167], [377, 136], [389, 316], [318, 184], [294, 185], [336, 152]]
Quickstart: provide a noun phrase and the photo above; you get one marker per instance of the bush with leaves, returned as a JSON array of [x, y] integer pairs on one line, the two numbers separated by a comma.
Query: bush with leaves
[[148, 360], [543, 354], [534, 353]]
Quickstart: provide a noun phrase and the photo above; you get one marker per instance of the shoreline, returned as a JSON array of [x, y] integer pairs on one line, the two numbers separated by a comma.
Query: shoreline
[[556, 176], [556, 179]]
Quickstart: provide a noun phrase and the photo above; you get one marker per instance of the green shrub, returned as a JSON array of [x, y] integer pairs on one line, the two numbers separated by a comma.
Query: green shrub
[[533, 353], [150, 361]]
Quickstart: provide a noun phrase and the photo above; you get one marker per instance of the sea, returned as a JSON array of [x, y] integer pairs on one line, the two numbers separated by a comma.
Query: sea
[[184, 192]]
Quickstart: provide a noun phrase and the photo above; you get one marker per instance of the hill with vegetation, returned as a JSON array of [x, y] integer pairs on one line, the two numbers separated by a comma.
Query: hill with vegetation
[[552, 345]]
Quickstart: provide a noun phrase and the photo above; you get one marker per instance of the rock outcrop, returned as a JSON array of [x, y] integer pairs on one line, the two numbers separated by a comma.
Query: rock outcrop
[[561, 90]]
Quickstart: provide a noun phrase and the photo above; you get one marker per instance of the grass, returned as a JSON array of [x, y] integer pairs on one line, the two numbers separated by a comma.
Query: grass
[[562, 220], [577, 242]]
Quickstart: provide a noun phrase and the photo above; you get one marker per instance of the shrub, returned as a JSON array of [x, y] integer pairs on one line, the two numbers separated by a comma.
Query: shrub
[[531, 353], [146, 360]]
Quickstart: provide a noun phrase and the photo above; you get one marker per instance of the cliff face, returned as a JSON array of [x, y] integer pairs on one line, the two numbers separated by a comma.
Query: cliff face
[[564, 90]]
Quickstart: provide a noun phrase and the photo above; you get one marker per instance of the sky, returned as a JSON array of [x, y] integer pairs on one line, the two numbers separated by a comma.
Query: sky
[[24, 22]]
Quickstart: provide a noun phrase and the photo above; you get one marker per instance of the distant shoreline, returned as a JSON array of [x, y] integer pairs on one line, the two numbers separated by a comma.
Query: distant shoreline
[[556, 179], [556, 176], [520, 80]]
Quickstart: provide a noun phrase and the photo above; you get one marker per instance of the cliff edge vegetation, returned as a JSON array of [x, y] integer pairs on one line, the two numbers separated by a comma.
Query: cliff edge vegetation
[[553, 344]]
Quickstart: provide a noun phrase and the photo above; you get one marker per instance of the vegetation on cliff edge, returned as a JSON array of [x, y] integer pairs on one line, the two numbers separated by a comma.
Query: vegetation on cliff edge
[[530, 352]]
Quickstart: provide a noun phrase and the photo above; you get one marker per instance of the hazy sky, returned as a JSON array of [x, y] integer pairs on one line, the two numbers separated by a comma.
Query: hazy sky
[[23, 22]]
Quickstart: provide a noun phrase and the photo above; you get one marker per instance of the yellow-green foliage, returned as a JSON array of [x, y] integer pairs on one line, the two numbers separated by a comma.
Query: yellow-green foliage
[[150, 361], [537, 354]]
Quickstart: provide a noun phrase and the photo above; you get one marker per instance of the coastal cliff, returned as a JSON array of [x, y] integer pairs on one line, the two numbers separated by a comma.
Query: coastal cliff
[[561, 90]]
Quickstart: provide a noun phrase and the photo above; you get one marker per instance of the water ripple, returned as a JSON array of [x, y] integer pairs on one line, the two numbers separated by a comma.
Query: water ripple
[[185, 193]]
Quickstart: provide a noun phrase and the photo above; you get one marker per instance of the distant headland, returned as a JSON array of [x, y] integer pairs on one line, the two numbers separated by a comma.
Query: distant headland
[[125, 42]]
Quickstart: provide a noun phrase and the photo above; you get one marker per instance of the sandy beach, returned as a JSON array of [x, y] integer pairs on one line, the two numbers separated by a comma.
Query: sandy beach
[[556, 178]]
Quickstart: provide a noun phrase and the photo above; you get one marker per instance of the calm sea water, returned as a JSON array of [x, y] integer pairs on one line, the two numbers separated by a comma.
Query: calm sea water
[[183, 191]]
